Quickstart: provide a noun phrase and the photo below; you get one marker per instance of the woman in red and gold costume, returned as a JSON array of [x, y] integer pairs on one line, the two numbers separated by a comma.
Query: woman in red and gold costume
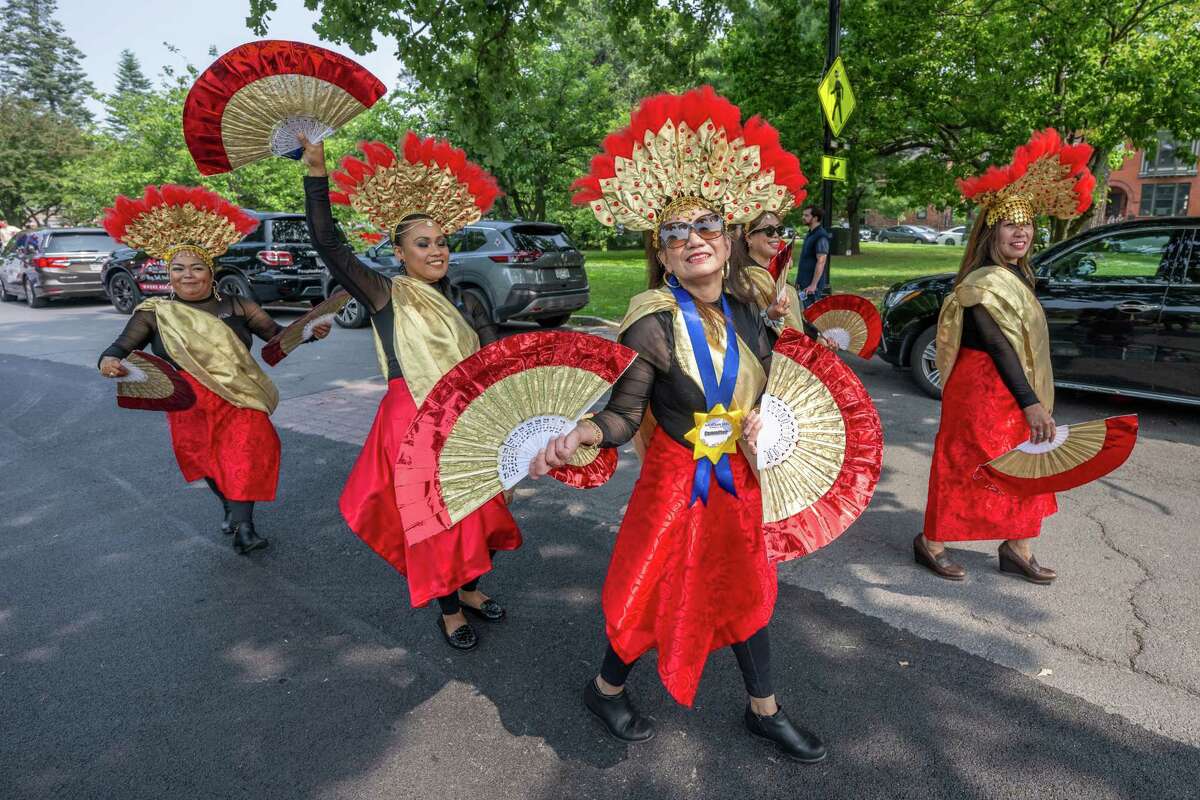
[[226, 438], [689, 571], [755, 246], [993, 353], [423, 327]]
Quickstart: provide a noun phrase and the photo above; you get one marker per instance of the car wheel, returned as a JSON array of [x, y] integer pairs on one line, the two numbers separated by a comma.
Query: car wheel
[[883, 239], [555, 321], [351, 315], [124, 293], [31, 298], [232, 284], [5, 295], [923, 360]]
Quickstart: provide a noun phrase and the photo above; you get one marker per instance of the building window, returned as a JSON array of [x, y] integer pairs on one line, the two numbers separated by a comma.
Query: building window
[[1169, 158], [1164, 199]]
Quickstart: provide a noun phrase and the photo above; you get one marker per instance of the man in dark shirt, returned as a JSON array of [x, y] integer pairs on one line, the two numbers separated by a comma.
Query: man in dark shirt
[[812, 281]]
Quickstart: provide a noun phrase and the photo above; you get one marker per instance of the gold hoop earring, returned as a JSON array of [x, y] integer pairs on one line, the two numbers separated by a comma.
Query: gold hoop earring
[[725, 272]]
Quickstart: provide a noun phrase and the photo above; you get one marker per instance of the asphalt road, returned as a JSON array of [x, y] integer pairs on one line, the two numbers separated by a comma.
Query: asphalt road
[[140, 657]]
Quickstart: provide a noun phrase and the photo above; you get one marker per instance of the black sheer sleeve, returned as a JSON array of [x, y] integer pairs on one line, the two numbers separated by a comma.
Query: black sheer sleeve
[[622, 417], [996, 344], [139, 331], [479, 318], [363, 283], [258, 322]]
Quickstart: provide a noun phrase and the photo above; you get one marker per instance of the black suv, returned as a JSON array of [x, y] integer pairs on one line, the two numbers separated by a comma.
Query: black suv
[[1122, 302], [275, 263]]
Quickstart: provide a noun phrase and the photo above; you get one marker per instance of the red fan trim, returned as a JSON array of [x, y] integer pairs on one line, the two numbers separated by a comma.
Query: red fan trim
[[417, 482], [591, 475], [861, 306], [1119, 438], [205, 104], [830, 516], [181, 399], [1041, 144], [782, 260], [273, 351], [415, 150], [695, 107], [124, 211]]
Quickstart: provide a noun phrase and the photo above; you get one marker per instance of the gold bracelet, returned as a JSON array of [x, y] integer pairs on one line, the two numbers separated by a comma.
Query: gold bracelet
[[599, 434]]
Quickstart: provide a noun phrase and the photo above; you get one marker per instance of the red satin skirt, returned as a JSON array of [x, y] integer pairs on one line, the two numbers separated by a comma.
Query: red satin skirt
[[237, 448], [440, 564], [980, 421], [687, 580]]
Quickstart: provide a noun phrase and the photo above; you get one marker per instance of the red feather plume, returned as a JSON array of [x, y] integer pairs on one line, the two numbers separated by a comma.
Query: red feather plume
[[1042, 144], [125, 211]]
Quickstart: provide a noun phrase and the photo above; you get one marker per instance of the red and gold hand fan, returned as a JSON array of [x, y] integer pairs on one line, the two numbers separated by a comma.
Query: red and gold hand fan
[[283, 343], [780, 266], [1078, 454], [848, 321], [153, 385], [820, 448], [254, 100], [589, 467], [482, 424]]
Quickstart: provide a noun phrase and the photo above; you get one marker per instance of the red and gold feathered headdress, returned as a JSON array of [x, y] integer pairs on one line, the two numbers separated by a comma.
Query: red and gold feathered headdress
[[429, 176], [1046, 176], [690, 150], [167, 219]]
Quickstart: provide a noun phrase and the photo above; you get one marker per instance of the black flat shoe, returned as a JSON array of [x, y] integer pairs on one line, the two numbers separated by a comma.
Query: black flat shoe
[[463, 637], [793, 741], [490, 611], [618, 714], [227, 523], [246, 539]]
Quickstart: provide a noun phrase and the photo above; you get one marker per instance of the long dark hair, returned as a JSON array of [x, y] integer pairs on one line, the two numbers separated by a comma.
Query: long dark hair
[[983, 250]]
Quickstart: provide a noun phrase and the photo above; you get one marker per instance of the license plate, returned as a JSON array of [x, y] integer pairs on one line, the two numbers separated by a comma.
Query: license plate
[[94, 267], [562, 273]]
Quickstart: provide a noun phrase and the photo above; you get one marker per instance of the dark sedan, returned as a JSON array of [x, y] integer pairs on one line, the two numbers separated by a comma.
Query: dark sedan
[[1122, 303], [913, 234]]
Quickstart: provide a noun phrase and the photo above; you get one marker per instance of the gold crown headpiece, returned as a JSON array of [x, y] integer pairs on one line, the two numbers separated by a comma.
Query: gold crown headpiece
[[688, 151], [429, 176], [170, 218], [1046, 176]]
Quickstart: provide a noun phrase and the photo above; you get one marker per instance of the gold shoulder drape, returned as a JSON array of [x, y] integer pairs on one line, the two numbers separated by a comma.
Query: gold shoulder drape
[[204, 347], [1015, 308], [430, 335], [764, 288]]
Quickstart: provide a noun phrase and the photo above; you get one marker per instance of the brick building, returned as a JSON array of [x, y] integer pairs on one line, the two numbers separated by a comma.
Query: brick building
[[1159, 183]]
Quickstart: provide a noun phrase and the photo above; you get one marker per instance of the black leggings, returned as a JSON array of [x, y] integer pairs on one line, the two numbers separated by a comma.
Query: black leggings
[[753, 657], [238, 510], [450, 603]]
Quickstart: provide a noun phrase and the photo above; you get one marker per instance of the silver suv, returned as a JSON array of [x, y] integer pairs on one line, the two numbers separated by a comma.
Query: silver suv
[[518, 270], [50, 263]]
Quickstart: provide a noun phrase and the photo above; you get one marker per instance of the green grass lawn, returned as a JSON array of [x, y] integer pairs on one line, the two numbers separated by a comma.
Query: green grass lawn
[[617, 275]]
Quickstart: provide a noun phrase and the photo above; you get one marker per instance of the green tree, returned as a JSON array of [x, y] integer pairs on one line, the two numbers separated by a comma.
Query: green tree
[[132, 88], [39, 62], [35, 147]]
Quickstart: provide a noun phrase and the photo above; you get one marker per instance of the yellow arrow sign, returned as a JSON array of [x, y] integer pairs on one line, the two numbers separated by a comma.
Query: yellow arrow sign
[[837, 98], [834, 168]]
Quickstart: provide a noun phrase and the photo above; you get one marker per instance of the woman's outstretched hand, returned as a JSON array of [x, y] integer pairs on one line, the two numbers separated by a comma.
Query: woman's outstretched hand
[[1041, 424], [112, 367], [751, 427], [779, 309], [314, 157]]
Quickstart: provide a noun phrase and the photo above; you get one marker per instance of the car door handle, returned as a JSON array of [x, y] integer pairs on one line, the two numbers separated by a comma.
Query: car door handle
[[1136, 308]]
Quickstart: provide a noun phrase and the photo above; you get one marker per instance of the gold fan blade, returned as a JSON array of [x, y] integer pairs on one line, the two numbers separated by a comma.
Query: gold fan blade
[[157, 386], [249, 119], [849, 321], [815, 461], [468, 465], [1083, 442]]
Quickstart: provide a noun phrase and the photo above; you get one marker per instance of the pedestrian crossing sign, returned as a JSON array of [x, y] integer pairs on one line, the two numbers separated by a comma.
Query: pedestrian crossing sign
[[834, 168], [837, 98]]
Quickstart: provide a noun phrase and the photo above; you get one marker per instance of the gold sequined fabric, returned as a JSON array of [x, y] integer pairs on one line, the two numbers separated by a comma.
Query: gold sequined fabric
[[165, 230], [395, 192]]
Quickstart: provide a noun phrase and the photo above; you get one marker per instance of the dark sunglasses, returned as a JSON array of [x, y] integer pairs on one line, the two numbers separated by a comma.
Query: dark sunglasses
[[674, 235], [772, 231]]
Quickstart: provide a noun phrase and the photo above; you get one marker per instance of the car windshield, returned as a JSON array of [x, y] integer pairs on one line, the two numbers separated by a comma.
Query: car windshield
[[98, 242], [290, 231], [547, 238]]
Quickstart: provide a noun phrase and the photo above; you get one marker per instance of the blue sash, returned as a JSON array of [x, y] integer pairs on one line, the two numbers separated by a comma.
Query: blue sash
[[716, 393]]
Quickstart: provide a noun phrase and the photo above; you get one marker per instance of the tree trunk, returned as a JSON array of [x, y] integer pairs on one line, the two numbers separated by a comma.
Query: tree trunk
[[539, 202], [853, 198]]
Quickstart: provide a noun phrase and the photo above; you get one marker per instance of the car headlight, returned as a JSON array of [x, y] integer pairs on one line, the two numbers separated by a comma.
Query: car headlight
[[893, 299]]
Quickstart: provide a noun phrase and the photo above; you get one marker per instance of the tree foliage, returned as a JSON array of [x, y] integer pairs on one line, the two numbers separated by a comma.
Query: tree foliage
[[39, 62]]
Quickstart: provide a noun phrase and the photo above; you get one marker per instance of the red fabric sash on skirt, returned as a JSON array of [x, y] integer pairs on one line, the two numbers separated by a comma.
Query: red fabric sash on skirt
[[980, 421], [440, 564], [687, 580], [237, 448]]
